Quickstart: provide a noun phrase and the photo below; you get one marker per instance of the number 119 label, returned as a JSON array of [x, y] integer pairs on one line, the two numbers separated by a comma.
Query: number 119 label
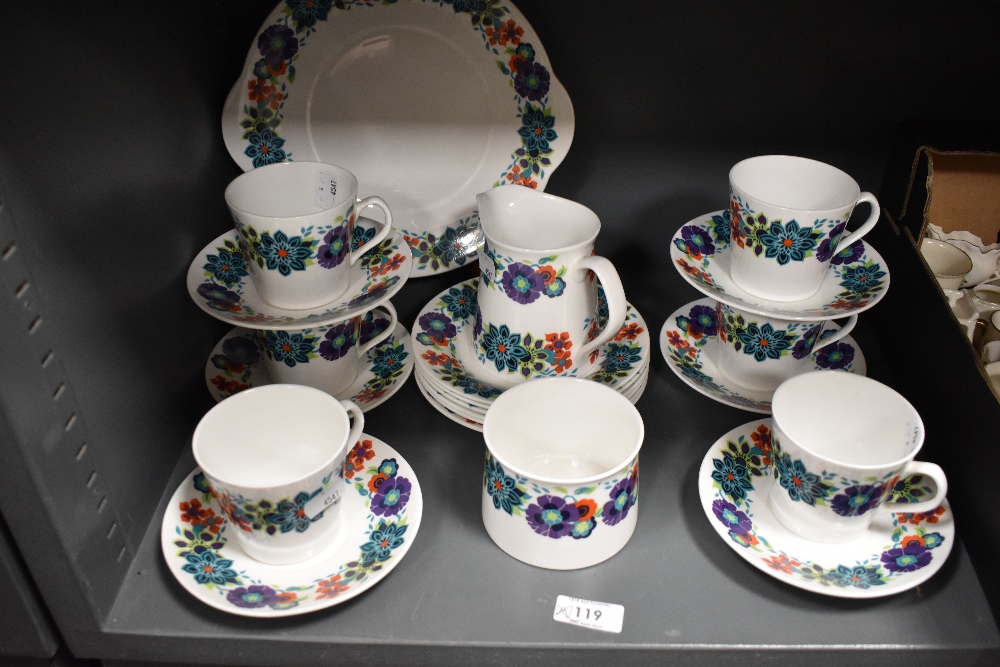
[[602, 616]]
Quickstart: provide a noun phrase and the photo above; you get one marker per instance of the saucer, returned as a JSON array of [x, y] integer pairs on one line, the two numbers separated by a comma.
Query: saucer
[[690, 353], [856, 279], [220, 284], [234, 366], [468, 422], [899, 551], [446, 358], [209, 563]]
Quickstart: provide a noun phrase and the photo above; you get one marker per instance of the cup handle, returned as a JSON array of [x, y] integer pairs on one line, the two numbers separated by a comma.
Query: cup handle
[[376, 340], [614, 293], [931, 470], [357, 426], [851, 237], [837, 335], [360, 206]]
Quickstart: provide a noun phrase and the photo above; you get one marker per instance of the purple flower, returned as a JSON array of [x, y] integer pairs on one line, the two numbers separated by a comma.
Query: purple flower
[[335, 247], [906, 559], [696, 241], [531, 81], [252, 597], [702, 321], [825, 250], [733, 519], [392, 496], [217, 294], [241, 350], [850, 254], [552, 516], [276, 44], [521, 283], [835, 355], [856, 500], [372, 326], [438, 326], [622, 499], [337, 341], [805, 344]]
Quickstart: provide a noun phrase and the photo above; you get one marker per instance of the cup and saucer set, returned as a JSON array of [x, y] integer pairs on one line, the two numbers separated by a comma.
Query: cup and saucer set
[[543, 306], [838, 508]]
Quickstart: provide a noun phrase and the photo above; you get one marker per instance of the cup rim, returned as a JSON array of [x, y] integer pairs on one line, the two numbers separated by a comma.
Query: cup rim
[[791, 385], [600, 388], [299, 165], [484, 225], [250, 394], [849, 180]]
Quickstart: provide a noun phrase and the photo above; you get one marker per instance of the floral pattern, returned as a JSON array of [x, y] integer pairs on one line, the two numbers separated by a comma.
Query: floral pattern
[[204, 554], [525, 282], [700, 251], [911, 543], [273, 77], [559, 512]]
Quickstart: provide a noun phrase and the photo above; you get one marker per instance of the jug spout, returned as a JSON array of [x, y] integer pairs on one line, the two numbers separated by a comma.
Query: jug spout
[[518, 216]]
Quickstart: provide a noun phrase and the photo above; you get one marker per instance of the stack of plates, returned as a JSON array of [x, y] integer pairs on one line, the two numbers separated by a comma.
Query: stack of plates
[[452, 380]]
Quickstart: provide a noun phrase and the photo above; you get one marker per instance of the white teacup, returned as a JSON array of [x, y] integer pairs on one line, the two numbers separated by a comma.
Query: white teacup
[[273, 456], [843, 451], [789, 216], [327, 357], [948, 264], [296, 223], [538, 308], [760, 352], [560, 489]]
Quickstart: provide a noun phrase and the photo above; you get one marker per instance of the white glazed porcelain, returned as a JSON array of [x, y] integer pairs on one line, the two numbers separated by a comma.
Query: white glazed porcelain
[[273, 457], [296, 222], [984, 256], [537, 283], [856, 279], [897, 552], [844, 450], [327, 357], [373, 535], [689, 343], [789, 216], [948, 263], [560, 489], [427, 103], [236, 364], [760, 352]]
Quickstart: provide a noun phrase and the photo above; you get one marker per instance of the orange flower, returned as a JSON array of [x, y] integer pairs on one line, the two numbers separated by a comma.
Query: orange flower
[[587, 508], [376, 481]]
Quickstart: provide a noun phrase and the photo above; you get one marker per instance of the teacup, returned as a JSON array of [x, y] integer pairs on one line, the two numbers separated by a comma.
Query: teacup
[[560, 488], [789, 218], [327, 357], [761, 352], [948, 264], [272, 456], [538, 306], [843, 451], [296, 224], [986, 298]]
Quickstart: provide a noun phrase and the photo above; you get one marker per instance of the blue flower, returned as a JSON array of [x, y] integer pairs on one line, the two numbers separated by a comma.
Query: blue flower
[[503, 348], [621, 357], [763, 342], [361, 236], [388, 467], [284, 253], [461, 302], [227, 267], [800, 484], [289, 514], [264, 147], [733, 476], [387, 360], [471, 385], [290, 348], [788, 242], [857, 576], [305, 13], [502, 487], [538, 128], [382, 541], [208, 568], [862, 279]]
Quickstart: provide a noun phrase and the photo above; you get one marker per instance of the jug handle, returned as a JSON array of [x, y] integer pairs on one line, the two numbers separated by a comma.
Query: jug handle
[[614, 294]]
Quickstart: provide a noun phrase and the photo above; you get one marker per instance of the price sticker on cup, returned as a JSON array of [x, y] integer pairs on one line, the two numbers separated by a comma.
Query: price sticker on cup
[[329, 497], [326, 189], [603, 616]]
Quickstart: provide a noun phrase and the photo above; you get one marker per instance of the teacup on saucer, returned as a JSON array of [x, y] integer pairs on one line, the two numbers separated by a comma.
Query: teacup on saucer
[[219, 283], [856, 279]]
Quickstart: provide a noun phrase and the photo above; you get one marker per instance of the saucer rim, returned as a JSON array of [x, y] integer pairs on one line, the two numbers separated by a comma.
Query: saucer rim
[[725, 400], [707, 493], [789, 310], [329, 555], [195, 277]]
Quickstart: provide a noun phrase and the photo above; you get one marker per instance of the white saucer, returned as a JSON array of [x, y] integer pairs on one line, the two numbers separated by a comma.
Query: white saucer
[[238, 584], [690, 354], [446, 360], [704, 262], [468, 422], [232, 297], [233, 366], [864, 568], [381, 86]]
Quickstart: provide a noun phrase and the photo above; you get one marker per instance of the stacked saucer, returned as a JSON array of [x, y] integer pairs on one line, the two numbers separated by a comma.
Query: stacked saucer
[[855, 280], [219, 282], [450, 375]]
